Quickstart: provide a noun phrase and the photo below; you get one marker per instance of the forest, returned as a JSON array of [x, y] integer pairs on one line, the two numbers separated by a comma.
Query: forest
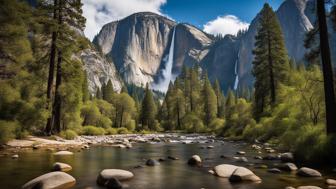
[[44, 89]]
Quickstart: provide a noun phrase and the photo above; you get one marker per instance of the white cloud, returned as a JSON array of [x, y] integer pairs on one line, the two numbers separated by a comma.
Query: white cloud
[[100, 12], [228, 24]]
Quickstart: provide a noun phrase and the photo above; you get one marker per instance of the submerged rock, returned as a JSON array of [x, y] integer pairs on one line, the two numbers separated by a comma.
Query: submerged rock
[[274, 170], [241, 153], [241, 159], [173, 158], [288, 167], [152, 162], [53, 180], [15, 156], [331, 182], [113, 183], [195, 160], [308, 172], [287, 157], [61, 167], [108, 174], [63, 153], [308, 187]]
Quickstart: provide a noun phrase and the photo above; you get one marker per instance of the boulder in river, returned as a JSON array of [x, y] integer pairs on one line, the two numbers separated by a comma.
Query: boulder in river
[[287, 157], [241, 153], [331, 182], [63, 153], [224, 170], [288, 167], [61, 167], [274, 170], [271, 157], [113, 183], [173, 158], [53, 180], [308, 172], [152, 162], [15, 156], [119, 174], [195, 160], [308, 187], [243, 174]]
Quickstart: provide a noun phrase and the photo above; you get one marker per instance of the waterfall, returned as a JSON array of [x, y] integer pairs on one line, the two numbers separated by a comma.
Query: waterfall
[[236, 73], [167, 74]]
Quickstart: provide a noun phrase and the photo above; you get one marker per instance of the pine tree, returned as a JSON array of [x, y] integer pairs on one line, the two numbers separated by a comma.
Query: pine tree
[[219, 96], [99, 94], [148, 110], [108, 92], [210, 101], [270, 65], [85, 88], [178, 105]]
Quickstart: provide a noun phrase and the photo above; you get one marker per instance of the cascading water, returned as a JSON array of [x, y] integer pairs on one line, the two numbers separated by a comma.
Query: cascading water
[[236, 73], [167, 74]]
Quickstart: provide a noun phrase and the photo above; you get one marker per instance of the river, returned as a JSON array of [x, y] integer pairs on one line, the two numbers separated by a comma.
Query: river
[[171, 174]]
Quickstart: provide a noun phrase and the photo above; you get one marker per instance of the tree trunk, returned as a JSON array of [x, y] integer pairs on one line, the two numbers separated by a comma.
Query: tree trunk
[[49, 124], [327, 69], [58, 99], [271, 74]]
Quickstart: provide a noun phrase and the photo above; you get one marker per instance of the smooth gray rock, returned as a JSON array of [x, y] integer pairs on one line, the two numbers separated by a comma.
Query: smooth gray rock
[[152, 162], [308, 172], [53, 180], [224, 170], [195, 160], [243, 174], [274, 170], [113, 183], [61, 167], [288, 167], [63, 153], [287, 157], [119, 174], [308, 187], [331, 182]]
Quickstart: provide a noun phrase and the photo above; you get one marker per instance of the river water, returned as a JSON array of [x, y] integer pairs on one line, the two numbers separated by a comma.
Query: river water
[[171, 174]]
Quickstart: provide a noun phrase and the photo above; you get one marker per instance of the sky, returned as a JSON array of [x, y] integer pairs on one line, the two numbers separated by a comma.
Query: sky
[[212, 16]]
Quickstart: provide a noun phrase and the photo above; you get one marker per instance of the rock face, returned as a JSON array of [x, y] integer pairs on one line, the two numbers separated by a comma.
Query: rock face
[[108, 174], [53, 180], [137, 44], [99, 70]]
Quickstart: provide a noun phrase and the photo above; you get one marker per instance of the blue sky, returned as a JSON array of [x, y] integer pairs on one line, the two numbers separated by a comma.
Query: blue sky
[[212, 16], [199, 12]]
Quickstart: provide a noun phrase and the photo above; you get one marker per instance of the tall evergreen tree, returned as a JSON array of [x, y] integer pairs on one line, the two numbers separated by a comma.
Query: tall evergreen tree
[[270, 65], [85, 88], [219, 96], [108, 91], [329, 90], [99, 94], [210, 101], [148, 110]]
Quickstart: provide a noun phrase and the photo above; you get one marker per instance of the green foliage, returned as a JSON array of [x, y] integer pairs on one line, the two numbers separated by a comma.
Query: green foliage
[[111, 131], [217, 125], [7, 131], [123, 130], [92, 130], [191, 123], [68, 134], [270, 65], [148, 110]]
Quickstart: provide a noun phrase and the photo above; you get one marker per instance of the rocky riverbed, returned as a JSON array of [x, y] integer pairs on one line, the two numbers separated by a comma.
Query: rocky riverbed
[[153, 161]]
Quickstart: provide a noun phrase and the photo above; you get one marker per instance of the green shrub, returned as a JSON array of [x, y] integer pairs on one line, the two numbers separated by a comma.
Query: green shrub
[[92, 130], [111, 131], [104, 122], [216, 125], [7, 131], [123, 130], [68, 134], [130, 125], [145, 132], [191, 123]]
